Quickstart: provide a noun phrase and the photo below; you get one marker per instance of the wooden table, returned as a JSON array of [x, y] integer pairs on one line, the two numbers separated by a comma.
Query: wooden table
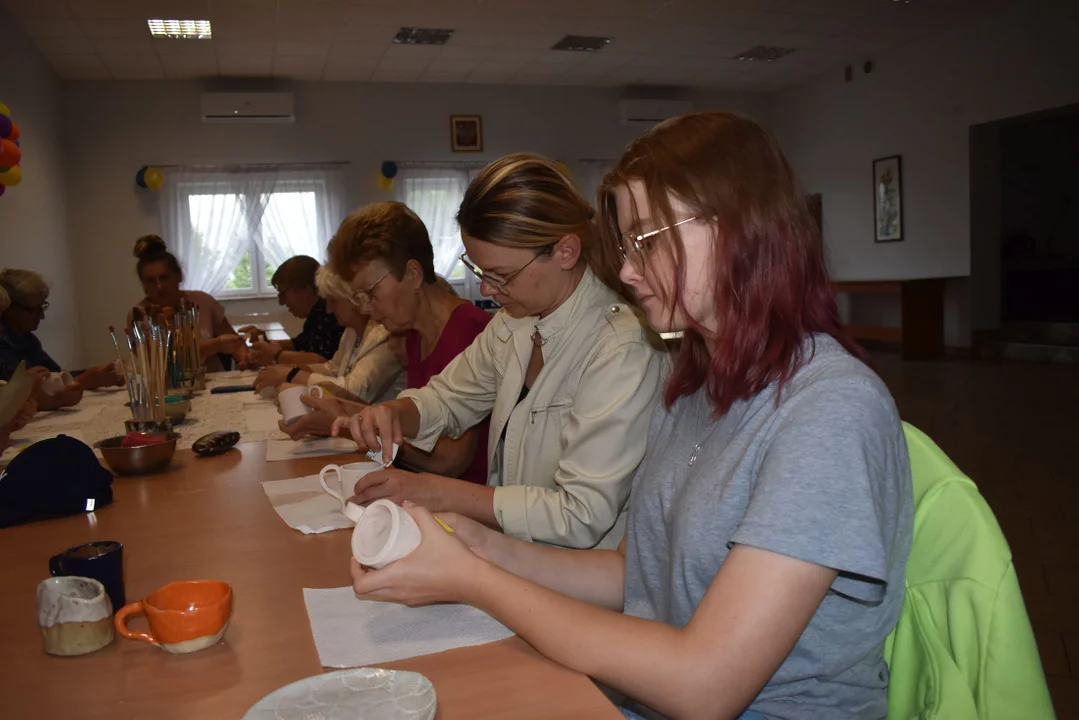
[[209, 518]]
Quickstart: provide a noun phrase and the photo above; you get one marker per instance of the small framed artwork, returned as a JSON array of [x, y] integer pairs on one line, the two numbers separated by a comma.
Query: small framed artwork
[[888, 199], [466, 133]]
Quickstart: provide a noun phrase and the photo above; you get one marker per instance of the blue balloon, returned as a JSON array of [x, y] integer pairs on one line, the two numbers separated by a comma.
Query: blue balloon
[[389, 169], [5, 126], [140, 177]]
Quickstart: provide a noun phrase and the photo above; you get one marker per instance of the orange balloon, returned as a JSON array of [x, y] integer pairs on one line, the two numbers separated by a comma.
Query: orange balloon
[[10, 154], [14, 132]]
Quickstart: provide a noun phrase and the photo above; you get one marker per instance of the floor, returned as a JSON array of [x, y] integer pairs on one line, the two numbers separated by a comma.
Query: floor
[[1013, 427]]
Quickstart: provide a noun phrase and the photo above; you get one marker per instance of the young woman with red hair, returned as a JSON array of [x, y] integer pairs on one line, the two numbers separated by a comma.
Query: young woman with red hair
[[770, 520]]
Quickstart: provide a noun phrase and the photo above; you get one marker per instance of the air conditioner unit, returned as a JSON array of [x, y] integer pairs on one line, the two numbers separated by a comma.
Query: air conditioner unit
[[650, 112], [264, 107]]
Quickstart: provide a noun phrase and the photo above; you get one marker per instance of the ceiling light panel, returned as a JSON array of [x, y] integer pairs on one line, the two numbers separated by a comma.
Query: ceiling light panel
[[422, 36], [764, 53], [582, 43], [180, 29]]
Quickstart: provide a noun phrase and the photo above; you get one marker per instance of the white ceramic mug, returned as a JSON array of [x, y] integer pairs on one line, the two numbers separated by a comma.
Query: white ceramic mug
[[292, 407], [384, 532], [347, 476], [56, 382], [74, 614]]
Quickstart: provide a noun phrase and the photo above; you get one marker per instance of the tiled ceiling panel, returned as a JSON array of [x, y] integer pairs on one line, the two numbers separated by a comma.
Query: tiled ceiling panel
[[656, 42]]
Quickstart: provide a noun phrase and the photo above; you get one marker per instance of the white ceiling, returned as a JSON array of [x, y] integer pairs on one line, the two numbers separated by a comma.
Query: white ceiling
[[656, 42]]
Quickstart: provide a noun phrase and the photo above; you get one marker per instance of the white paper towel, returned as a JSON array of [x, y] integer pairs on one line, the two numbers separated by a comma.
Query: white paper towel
[[305, 506], [350, 632], [311, 447]]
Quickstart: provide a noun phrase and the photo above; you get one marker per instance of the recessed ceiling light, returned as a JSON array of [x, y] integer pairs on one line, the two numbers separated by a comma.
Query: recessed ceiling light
[[422, 36], [180, 29], [582, 43], [764, 53]]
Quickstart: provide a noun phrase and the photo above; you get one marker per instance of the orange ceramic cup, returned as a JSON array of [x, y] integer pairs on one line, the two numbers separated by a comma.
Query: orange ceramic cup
[[184, 616]]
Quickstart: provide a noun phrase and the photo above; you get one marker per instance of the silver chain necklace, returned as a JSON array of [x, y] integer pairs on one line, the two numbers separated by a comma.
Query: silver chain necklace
[[702, 440]]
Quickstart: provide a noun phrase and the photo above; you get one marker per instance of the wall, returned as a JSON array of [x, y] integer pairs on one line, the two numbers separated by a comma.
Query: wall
[[919, 103], [33, 230], [137, 123]]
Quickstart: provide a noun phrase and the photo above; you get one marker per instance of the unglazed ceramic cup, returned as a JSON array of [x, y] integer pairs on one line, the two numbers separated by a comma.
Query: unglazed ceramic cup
[[184, 616], [74, 615], [384, 532], [292, 408], [56, 382]]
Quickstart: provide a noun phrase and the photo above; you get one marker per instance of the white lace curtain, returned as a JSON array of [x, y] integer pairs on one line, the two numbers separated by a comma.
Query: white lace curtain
[[434, 192], [211, 217]]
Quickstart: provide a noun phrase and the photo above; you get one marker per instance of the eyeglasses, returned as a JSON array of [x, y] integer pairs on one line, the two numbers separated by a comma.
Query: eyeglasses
[[635, 248], [500, 283], [362, 297], [34, 310]]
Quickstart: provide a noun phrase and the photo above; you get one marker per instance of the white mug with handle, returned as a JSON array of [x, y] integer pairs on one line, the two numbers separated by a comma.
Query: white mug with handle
[[347, 476], [292, 407]]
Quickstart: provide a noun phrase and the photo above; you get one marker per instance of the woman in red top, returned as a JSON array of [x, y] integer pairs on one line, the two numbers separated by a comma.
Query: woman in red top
[[384, 251]]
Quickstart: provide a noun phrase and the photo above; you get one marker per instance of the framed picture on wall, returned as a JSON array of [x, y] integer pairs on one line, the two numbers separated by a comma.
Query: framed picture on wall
[[466, 133], [888, 199]]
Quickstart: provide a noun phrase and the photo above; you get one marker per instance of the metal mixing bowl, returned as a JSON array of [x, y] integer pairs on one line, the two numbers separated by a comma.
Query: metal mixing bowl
[[137, 460]]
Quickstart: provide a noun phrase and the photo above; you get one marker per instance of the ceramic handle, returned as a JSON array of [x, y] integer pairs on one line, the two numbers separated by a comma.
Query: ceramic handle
[[120, 621], [327, 488]]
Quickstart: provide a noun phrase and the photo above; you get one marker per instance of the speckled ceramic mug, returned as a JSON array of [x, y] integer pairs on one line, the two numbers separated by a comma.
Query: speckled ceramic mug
[[74, 615]]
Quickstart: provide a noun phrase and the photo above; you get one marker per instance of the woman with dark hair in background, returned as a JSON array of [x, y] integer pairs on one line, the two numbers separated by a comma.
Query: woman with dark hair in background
[[161, 276], [296, 289]]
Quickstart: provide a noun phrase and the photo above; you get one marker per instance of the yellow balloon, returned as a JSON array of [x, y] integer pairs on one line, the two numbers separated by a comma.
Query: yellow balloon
[[13, 176], [154, 178], [5, 110], [384, 183]]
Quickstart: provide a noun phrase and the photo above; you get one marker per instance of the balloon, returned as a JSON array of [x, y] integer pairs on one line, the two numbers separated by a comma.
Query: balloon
[[15, 132], [384, 183], [389, 169], [140, 177], [154, 178], [2, 189], [5, 127], [12, 177], [5, 110], [10, 153]]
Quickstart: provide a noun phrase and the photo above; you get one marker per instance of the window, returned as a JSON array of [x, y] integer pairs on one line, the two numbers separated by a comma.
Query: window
[[231, 229], [434, 192]]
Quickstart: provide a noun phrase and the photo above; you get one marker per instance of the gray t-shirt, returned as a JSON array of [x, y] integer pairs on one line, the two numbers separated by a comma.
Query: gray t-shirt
[[822, 477]]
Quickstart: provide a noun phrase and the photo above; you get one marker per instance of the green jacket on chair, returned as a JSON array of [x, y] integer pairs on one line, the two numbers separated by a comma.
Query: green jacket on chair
[[963, 648]]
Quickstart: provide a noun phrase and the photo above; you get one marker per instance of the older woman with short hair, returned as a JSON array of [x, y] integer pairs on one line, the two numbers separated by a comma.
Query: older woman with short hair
[[28, 293], [365, 365]]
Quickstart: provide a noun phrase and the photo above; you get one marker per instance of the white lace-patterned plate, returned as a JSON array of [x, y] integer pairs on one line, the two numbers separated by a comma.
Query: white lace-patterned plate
[[356, 694]]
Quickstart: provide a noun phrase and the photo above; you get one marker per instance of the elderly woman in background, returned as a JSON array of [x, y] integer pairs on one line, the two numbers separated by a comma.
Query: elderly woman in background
[[388, 244], [28, 297], [321, 334], [161, 275], [567, 371], [29, 406], [365, 365]]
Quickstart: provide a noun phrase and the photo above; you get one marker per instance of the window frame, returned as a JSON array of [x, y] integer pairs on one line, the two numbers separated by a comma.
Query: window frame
[[261, 288]]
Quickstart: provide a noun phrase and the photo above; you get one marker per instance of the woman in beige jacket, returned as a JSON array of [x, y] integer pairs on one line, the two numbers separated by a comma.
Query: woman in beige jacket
[[567, 372]]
